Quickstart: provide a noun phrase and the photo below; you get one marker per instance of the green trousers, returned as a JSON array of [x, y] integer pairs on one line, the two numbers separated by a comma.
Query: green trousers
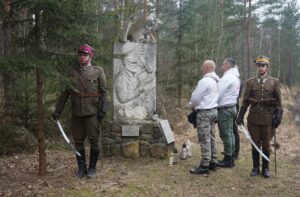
[[85, 127], [225, 124]]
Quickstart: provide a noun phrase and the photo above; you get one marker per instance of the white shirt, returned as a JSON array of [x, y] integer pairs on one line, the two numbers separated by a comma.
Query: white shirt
[[229, 87], [205, 96]]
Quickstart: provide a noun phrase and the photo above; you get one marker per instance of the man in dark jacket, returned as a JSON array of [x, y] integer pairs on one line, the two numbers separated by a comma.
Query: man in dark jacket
[[262, 94], [90, 102], [235, 128]]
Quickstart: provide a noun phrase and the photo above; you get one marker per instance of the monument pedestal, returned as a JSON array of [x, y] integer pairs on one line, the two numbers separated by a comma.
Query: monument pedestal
[[133, 133], [123, 134]]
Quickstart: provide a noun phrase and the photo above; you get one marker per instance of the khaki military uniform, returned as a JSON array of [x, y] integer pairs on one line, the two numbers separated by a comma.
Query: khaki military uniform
[[88, 90], [264, 97]]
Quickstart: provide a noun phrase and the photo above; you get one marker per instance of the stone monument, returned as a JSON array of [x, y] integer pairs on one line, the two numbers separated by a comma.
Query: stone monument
[[135, 129], [134, 81]]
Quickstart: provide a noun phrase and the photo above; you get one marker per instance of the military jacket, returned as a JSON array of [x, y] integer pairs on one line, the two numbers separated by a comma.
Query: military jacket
[[87, 89], [264, 98]]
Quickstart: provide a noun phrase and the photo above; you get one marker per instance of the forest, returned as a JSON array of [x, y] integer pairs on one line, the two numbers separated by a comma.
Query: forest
[[38, 44]]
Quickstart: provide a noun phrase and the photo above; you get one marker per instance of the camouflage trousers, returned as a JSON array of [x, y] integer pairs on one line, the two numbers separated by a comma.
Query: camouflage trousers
[[225, 124], [206, 135]]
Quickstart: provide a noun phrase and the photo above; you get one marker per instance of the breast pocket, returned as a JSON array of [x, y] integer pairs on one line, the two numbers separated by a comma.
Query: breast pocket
[[255, 90], [269, 92], [93, 84]]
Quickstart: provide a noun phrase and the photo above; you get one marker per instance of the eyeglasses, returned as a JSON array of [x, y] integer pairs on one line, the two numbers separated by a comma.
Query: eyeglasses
[[83, 54], [261, 65]]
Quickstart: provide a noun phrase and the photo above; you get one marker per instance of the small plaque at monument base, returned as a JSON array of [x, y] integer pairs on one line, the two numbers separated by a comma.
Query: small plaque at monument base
[[130, 131], [166, 129]]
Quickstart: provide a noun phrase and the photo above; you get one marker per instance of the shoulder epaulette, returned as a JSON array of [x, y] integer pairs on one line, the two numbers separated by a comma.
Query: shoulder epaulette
[[273, 78], [251, 79], [98, 67]]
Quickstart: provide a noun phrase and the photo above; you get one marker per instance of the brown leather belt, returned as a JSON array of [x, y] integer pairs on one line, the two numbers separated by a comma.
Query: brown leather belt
[[87, 94]]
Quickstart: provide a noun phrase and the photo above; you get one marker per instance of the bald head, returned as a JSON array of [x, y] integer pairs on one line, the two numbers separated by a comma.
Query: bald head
[[208, 66]]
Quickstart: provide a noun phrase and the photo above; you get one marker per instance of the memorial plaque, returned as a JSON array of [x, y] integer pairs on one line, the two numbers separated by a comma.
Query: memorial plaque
[[297, 118], [130, 131], [167, 131]]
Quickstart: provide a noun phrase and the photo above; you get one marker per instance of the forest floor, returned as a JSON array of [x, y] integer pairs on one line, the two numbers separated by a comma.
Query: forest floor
[[118, 176]]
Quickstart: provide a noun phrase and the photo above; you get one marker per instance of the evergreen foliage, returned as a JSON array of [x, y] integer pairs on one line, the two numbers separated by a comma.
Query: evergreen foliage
[[191, 32]]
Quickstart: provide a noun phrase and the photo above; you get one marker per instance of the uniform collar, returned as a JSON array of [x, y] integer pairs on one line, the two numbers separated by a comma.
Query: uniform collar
[[87, 67], [262, 79]]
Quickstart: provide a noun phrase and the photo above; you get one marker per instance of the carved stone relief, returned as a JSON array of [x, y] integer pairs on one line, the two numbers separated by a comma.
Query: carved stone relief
[[134, 81]]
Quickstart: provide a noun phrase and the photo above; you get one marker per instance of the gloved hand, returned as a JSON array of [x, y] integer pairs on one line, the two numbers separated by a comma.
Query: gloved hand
[[276, 122], [101, 116], [56, 115], [276, 119]]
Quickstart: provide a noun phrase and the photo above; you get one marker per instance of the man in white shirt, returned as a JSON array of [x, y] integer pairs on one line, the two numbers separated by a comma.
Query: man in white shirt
[[228, 87], [204, 102]]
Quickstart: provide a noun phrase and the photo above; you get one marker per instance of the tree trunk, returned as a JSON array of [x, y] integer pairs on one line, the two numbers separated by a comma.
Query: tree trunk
[[249, 41], [279, 52], [8, 77], [179, 55], [145, 9], [39, 84], [261, 39], [290, 63], [122, 15], [221, 30]]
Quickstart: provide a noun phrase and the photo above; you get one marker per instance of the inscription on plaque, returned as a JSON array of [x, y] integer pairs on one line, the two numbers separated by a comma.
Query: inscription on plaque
[[130, 131], [167, 131]]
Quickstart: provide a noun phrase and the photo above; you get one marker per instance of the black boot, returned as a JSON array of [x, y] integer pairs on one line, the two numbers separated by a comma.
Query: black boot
[[266, 173], [255, 159], [200, 170], [227, 162], [94, 153], [265, 166], [255, 171], [81, 164], [213, 166]]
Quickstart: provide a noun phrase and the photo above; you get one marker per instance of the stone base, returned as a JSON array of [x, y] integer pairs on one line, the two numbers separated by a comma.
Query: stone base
[[149, 136]]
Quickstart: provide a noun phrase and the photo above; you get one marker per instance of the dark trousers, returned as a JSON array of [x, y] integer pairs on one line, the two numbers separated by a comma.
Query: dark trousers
[[236, 138], [85, 126]]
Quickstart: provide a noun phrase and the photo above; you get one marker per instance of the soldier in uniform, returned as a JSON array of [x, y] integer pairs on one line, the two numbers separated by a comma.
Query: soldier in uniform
[[204, 102], [90, 102], [262, 94]]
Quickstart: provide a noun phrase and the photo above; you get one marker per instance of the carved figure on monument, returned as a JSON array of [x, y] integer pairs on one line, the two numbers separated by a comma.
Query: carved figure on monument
[[138, 29], [135, 86], [134, 71]]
